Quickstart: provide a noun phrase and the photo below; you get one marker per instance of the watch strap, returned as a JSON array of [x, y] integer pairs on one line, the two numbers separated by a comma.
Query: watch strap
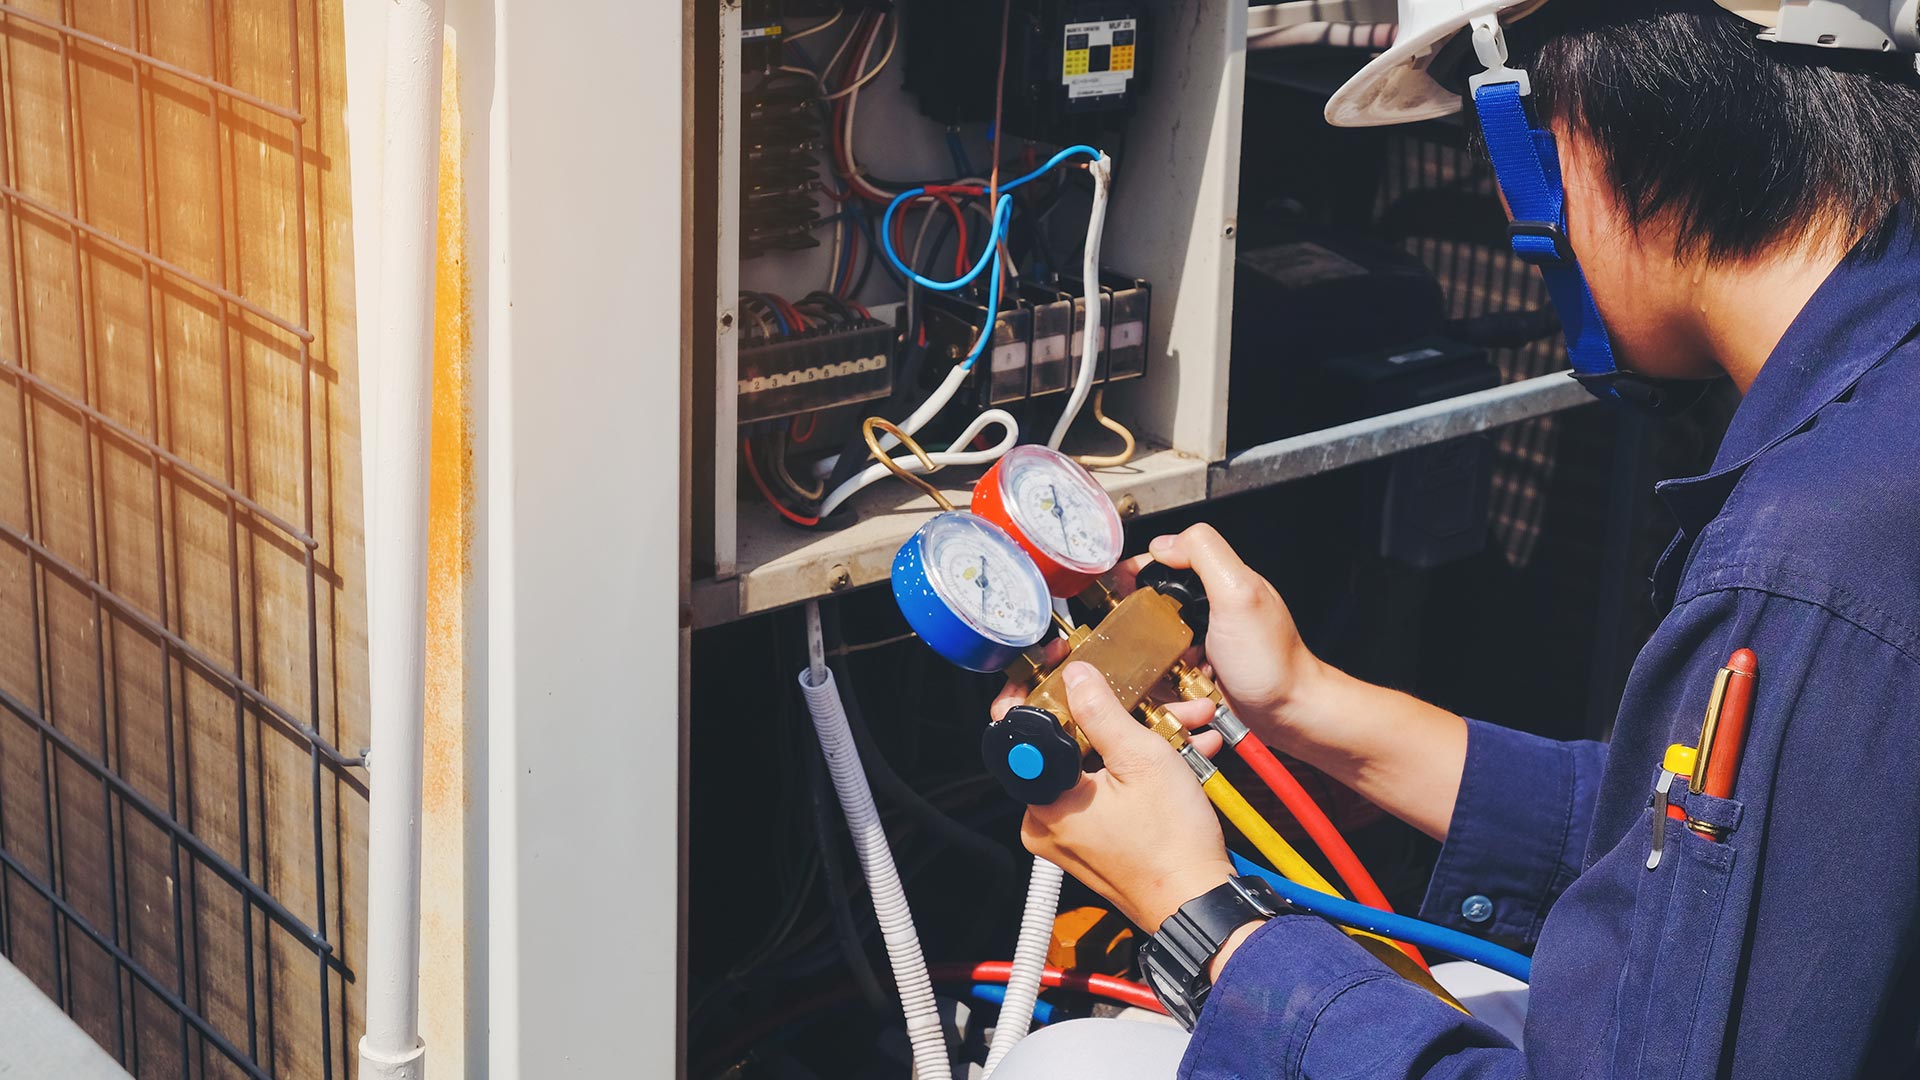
[[1179, 955]]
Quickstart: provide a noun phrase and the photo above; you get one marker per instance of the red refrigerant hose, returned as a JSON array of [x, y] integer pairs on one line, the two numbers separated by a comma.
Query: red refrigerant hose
[[1053, 978]]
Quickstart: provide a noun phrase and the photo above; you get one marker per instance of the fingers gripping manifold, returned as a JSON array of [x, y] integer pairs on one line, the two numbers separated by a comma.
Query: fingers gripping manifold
[[1037, 751]]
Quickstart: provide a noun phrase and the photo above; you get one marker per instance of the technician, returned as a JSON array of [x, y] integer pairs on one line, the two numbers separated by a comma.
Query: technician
[[1740, 205]]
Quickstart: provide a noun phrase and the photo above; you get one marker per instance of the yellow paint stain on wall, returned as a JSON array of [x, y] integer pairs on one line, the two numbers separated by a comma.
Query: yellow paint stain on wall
[[446, 919], [450, 492]]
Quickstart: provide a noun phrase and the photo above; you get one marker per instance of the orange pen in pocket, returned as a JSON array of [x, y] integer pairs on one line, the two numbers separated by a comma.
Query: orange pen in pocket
[[1724, 734]]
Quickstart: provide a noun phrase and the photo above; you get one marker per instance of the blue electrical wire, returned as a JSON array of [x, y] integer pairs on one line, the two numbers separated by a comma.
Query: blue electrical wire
[[994, 994], [772, 309], [1002, 213], [1386, 924], [958, 151]]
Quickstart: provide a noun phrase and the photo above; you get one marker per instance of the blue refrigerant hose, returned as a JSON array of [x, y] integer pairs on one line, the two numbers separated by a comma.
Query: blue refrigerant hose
[[1399, 927], [995, 994]]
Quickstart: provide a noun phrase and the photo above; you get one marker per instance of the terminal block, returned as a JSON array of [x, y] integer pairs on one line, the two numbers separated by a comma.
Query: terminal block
[[816, 369]]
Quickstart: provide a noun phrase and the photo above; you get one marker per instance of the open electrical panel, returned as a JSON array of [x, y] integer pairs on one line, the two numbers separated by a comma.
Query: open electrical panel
[[827, 112]]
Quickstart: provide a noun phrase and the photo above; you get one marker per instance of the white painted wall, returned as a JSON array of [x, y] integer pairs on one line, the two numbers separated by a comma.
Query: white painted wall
[[584, 567], [565, 884]]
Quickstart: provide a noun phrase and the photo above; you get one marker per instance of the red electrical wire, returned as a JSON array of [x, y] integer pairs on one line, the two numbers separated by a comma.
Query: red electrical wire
[[793, 427], [1106, 986], [960, 225], [1315, 822], [791, 314], [753, 470], [942, 197]]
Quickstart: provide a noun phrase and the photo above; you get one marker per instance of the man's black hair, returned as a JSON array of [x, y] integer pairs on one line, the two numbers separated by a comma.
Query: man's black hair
[[1741, 144]]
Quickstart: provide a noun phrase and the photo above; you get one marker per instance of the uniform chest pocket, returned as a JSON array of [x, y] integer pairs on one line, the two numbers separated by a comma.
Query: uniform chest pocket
[[1689, 922]]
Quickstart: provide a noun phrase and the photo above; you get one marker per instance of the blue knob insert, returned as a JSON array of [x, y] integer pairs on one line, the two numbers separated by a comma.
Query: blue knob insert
[[1026, 761]]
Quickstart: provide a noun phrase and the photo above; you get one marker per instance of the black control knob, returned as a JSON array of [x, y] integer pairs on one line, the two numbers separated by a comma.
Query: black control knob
[[1183, 587], [1032, 756]]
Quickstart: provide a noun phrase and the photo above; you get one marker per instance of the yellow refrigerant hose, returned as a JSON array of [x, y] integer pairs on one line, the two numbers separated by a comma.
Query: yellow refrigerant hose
[[1275, 849]]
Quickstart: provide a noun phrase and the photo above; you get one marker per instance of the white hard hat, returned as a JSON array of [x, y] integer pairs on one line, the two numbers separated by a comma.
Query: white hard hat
[[1396, 87]]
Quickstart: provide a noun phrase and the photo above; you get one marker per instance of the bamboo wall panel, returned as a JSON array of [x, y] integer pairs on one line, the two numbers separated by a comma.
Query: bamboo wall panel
[[182, 666]]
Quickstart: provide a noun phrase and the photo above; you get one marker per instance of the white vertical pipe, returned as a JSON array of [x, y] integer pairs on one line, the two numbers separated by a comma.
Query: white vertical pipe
[[399, 381]]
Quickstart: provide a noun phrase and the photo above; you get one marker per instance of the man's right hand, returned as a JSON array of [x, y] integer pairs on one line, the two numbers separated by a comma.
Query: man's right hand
[[1252, 645], [1404, 755]]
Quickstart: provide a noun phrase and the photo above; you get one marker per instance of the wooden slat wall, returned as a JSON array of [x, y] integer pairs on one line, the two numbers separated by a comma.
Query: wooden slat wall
[[113, 569]]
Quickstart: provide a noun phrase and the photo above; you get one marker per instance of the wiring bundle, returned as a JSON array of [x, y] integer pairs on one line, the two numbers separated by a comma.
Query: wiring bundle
[[974, 222]]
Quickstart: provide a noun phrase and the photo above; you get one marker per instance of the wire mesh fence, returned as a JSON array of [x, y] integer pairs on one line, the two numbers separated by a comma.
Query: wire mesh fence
[[1481, 276], [179, 759]]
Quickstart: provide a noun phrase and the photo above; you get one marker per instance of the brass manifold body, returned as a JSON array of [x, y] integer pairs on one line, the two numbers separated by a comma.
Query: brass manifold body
[[1136, 645], [1139, 643]]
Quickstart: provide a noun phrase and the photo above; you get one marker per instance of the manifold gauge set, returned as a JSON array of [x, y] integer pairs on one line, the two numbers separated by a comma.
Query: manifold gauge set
[[978, 585]]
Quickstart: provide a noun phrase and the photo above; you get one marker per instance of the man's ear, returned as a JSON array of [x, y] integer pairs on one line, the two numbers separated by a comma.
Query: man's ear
[[1595, 213]]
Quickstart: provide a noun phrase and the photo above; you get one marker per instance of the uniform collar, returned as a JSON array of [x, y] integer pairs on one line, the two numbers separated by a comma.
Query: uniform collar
[[1862, 312]]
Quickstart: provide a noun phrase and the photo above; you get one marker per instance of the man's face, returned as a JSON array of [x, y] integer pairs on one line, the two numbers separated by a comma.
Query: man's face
[[1634, 276]]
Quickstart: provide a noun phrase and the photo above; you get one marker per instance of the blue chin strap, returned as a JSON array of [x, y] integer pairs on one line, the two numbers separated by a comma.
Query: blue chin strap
[[1526, 162]]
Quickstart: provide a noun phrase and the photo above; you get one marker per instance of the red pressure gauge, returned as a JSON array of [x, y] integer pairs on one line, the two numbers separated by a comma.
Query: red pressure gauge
[[1056, 511]]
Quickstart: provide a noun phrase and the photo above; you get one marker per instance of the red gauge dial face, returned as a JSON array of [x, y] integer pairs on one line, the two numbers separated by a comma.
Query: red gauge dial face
[[1060, 509]]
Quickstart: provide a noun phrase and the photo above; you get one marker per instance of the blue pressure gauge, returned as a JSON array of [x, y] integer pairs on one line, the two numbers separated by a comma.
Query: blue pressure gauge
[[970, 592]]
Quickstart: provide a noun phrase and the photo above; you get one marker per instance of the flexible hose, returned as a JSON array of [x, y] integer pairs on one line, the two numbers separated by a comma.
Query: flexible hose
[[846, 935], [1000, 862], [1053, 978], [1102, 170], [1029, 961], [1245, 818], [995, 994], [1315, 822], [1437, 938], [930, 1061], [1235, 808]]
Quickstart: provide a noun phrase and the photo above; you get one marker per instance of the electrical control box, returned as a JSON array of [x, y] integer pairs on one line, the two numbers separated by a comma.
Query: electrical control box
[[1001, 376], [1040, 337], [826, 113], [1125, 306], [1075, 68]]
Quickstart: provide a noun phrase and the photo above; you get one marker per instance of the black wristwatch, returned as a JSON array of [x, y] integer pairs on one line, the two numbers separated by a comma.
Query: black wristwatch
[[1175, 960]]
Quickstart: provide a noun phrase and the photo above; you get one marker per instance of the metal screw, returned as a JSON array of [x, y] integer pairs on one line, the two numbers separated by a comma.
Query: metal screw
[[726, 320], [1228, 230], [839, 578], [1128, 506]]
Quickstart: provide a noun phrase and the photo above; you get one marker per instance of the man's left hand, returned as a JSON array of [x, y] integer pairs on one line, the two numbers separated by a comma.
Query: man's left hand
[[1139, 831]]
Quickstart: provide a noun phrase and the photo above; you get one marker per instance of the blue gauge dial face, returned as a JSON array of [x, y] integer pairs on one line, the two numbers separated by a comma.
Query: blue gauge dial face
[[985, 578], [1061, 509]]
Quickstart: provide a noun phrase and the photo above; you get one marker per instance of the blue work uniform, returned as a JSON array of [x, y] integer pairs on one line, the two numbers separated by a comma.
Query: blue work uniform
[[1786, 951]]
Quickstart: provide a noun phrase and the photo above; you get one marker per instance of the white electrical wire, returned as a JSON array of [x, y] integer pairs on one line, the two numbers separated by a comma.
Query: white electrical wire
[[838, 10], [876, 472], [1029, 958], [893, 38], [1102, 170]]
